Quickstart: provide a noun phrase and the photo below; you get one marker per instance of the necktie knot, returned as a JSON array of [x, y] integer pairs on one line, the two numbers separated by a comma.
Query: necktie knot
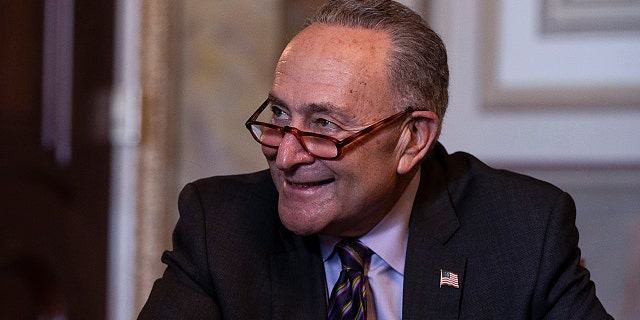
[[353, 254]]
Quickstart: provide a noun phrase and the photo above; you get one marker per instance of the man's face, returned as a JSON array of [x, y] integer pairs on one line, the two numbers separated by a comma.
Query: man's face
[[335, 77]]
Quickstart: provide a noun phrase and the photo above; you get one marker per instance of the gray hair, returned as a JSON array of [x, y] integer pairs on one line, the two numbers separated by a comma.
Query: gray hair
[[417, 66]]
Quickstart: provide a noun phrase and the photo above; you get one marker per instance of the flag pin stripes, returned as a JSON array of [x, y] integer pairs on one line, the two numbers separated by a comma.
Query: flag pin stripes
[[448, 278]]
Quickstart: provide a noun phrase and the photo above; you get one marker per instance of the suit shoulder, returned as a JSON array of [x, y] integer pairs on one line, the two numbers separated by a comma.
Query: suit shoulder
[[475, 186], [257, 183], [233, 192], [475, 173], [257, 179], [244, 204]]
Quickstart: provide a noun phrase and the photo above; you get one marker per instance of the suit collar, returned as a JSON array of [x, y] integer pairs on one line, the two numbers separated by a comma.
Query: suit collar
[[433, 222]]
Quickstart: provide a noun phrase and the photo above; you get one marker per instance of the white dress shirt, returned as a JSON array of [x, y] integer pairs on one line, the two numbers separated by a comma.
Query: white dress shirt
[[385, 272]]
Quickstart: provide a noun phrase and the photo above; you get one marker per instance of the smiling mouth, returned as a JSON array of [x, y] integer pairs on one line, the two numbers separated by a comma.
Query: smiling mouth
[[309, 184]]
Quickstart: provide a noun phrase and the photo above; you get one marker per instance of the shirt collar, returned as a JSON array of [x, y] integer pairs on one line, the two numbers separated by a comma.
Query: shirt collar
[[388, 239]]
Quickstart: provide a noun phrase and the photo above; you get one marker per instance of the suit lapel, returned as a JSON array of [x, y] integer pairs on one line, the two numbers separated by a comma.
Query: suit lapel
[[433, 222], [298, 279], [424, 297]]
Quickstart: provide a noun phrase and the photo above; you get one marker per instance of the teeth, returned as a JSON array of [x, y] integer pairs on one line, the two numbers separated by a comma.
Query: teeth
[[309, 184]]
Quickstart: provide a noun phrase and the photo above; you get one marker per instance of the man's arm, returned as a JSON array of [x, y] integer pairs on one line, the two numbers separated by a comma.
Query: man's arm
[[564, 289], [185, 290]]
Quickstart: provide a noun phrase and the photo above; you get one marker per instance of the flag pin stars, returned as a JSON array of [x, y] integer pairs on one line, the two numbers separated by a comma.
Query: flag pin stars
[[448, 278]]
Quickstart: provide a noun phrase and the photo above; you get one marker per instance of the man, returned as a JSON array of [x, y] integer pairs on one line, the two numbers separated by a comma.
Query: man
[[364, 213]]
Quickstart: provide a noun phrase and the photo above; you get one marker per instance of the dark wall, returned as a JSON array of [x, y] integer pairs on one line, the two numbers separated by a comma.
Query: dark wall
[[53, 215]]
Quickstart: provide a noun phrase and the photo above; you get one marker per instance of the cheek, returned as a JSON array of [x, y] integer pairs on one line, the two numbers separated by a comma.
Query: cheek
[[376, 156], [372, 169], [269, 153]]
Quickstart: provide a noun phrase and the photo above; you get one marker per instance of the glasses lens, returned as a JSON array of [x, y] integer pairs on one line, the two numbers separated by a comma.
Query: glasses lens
[[266, 135], [319, 147]]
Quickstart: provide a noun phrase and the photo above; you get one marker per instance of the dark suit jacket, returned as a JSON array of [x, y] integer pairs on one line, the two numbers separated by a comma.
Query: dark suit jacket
[[511, 239]]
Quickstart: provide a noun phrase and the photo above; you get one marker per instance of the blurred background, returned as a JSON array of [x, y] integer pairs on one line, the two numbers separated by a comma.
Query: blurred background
[[107, 108]]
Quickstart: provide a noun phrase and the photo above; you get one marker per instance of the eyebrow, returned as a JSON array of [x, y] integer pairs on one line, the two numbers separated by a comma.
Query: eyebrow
[[325, 107], [275, 100]]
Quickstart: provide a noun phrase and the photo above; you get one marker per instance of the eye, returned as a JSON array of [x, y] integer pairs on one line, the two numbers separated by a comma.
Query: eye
[[325, 126], [279, 114], [324, 123]]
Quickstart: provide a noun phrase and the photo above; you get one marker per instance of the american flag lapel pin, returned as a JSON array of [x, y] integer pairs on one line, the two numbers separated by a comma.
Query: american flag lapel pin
[[448, 278]]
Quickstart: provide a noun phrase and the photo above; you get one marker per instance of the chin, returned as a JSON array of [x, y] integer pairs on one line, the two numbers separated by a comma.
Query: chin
[[298, 223], [299, 229]]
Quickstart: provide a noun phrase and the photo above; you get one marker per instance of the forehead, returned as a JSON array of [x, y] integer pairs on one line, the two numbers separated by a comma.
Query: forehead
[[342, 40], [338, 65]]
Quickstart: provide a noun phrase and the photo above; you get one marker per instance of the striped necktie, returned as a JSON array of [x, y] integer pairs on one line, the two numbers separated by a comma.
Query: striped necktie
[[347, 300]]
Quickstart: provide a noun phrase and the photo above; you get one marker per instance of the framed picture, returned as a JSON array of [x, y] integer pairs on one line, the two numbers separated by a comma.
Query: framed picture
[[590, 15], [528, 63]]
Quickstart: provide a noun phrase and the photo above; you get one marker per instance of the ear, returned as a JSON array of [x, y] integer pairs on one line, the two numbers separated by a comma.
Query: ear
[[418, 136]]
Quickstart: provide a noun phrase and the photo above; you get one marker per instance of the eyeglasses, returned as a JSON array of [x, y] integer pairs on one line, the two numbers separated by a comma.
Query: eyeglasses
[[318, 145]]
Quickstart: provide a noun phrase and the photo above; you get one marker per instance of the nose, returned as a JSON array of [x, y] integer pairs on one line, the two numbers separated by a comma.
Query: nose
[[291, 153]]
